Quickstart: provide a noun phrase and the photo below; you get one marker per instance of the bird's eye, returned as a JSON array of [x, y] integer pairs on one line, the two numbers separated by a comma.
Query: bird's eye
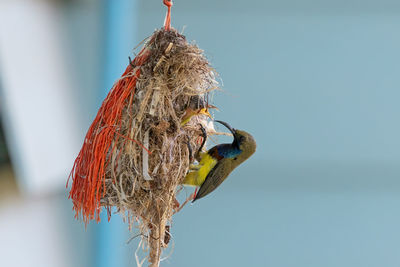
[[235, 159]]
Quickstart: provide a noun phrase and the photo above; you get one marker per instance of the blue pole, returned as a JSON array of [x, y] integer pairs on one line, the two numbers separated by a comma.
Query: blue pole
[[120, 31]]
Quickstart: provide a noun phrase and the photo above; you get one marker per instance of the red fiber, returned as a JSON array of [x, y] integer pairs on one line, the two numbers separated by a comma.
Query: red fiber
[[88, 172], [167, 23]]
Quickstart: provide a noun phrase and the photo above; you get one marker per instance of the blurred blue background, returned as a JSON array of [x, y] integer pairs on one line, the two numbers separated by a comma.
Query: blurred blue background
[[316, 82]]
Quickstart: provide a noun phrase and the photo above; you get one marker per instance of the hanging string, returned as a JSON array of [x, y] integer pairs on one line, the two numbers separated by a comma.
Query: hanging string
[[167, 22]]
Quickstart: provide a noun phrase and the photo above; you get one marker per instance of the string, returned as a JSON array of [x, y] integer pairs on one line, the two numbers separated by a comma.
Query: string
[[167, 22]]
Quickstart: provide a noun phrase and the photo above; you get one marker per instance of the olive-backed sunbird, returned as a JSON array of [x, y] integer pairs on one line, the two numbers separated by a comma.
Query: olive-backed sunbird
[[197, 106], [217, 163]]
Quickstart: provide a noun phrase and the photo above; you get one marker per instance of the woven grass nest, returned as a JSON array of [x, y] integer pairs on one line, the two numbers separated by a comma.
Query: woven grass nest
[[147, 156]]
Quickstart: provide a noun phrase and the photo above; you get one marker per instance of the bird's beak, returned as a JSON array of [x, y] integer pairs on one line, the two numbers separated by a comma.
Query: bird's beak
[[204, 111], [233, 131], [212, 106]]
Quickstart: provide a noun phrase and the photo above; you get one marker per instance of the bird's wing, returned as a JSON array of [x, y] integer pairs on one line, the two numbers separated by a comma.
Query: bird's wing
[[214, 178]]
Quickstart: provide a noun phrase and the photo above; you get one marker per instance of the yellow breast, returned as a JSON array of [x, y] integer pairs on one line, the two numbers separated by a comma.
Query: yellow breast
[[197, 177]]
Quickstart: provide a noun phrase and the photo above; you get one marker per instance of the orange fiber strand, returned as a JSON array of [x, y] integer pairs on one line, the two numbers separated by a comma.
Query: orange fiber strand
[[167, 23], [88, 172]]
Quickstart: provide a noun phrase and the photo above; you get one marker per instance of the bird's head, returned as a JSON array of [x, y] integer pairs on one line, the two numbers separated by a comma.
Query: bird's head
[[242, 140], [197, 106]]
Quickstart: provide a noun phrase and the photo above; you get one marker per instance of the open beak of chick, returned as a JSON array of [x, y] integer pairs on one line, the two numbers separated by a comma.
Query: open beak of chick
[[189, 113]]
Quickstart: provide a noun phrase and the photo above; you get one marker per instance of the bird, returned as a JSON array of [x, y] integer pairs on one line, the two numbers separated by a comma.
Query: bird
[[197, 106], [217, 163]]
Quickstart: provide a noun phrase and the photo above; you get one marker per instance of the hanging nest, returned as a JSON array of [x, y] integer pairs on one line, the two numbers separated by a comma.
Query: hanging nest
[[135, 154]]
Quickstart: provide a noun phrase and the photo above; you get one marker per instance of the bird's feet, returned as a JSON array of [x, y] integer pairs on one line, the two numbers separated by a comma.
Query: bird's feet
[[178, 207], [176, 204], [195, 193]]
